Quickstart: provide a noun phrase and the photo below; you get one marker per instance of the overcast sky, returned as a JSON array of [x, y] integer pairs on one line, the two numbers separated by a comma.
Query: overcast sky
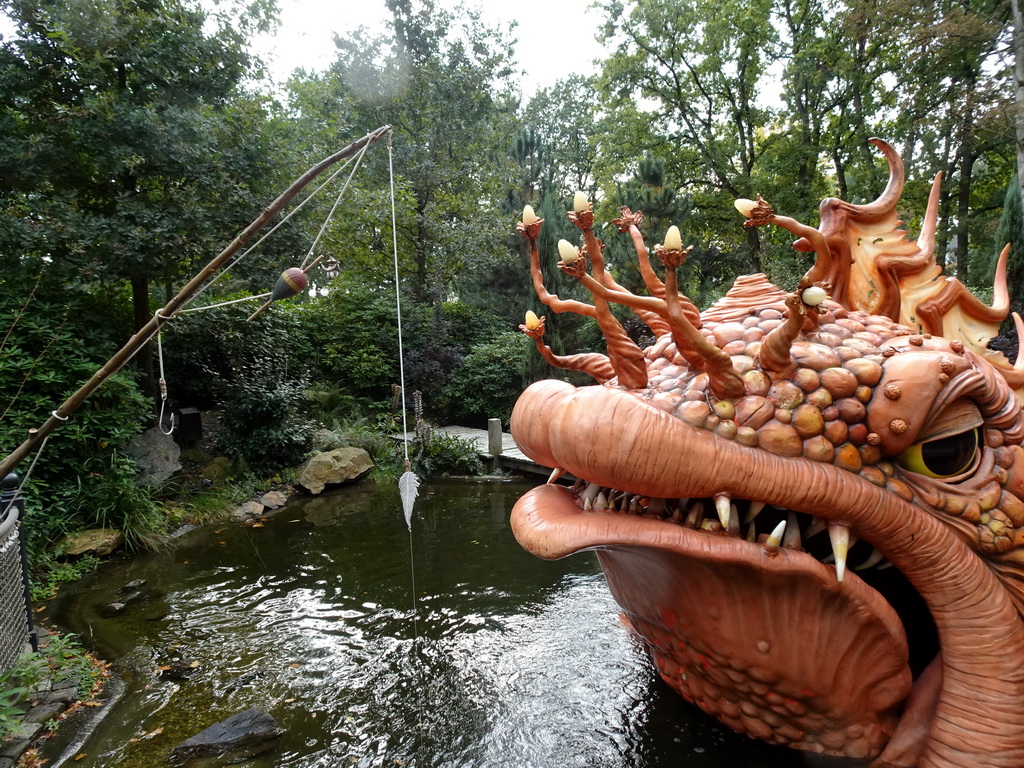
[[556, 37]]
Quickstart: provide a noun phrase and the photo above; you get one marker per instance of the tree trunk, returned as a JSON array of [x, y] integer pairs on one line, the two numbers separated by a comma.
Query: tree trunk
[[142, 315]]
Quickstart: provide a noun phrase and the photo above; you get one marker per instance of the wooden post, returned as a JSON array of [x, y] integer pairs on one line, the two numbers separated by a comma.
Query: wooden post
[[494, 442]]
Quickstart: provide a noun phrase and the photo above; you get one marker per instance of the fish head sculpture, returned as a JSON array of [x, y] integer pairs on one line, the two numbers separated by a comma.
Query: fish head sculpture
[[809, 504]]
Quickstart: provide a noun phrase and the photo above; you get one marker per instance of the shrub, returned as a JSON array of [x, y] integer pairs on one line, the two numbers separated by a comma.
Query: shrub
[[263, 424], [441, 454], [489, 380], [49, 346]]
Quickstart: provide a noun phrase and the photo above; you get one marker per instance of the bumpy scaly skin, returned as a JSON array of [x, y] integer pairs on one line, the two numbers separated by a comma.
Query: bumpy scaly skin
[[759, 632]]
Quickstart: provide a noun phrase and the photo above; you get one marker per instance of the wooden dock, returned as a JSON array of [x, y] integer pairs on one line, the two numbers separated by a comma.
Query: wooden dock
[[508, 457]]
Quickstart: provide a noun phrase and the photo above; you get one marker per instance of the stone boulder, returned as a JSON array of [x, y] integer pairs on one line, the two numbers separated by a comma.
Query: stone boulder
[[157, 456], [96, 541], [332, 467], [246, 511], [240, 736], [273, 499]]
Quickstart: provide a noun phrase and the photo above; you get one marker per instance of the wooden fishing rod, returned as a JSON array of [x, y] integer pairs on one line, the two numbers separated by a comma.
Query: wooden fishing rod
[[149, 330]]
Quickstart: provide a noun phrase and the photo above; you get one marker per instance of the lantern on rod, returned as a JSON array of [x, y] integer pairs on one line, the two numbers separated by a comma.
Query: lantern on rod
[[331, 267]]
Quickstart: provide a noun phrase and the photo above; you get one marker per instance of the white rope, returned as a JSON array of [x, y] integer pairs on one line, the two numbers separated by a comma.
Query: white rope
[[163, 385], [398, 304], [337, 201], [225, 303]]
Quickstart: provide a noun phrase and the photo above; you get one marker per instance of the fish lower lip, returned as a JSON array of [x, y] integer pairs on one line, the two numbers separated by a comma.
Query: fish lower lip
[[718, 613]]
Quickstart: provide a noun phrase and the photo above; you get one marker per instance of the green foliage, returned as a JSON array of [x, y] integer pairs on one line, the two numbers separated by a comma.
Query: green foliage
[[123, 126], [489, 380], [441, 454], [51, 344], [444, 83], [1010, 231], [61, 658], [49, 574], [16, 685], [263, 423]]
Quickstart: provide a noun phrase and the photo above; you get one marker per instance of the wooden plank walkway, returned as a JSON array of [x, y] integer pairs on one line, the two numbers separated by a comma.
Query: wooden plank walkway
[[510, 457]]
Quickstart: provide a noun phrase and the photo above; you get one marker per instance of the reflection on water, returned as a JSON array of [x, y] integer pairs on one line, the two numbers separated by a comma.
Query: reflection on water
[[506, 660]]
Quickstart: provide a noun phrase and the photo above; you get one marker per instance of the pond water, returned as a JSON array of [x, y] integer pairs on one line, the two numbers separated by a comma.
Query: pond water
[[504, 660]]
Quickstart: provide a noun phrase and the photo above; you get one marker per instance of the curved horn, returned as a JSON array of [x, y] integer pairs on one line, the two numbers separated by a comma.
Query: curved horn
[[886, 202]]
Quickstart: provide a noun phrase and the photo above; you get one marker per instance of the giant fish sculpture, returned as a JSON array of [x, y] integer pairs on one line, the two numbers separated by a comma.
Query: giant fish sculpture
[[809, 504]]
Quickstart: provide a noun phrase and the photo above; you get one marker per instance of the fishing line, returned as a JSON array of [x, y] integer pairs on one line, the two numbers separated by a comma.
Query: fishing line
[[272, 230], [408, 483], [330, 215]]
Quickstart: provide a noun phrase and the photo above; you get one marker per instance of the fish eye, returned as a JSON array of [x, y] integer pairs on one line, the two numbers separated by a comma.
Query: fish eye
[[943, 458]]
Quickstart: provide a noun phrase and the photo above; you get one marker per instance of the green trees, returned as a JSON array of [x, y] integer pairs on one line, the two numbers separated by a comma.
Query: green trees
[[128, 149], [780, 97], [444, 84], [134, 143]]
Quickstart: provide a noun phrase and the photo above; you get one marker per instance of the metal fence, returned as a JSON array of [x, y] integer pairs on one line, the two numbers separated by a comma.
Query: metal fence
[[15, 613]]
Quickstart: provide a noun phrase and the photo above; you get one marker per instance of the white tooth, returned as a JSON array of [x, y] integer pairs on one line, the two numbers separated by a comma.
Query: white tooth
[[792, 537], [734, 521], [723, 505], [555, 474], [710, 525], [695, 515], [840, 536], [601, 502], [775, 539], [885, 565], [754, 511], [873, 558], [751, 533], [634, 504], [587, 504], [817, 526]]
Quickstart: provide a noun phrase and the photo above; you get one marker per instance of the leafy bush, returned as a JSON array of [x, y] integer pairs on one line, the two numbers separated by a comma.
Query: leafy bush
[[442, 454], [60, 658], [48, 575], [208, 353], [263, 424], [489, 380], [49, 346]]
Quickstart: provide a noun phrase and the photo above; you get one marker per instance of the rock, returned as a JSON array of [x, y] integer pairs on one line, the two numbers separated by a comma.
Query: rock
[[156, 454], [132, 586], [95, 541], [332, 467], [243, 735], [218, 470], [43, 712], [273, 499], [110, 610], [244, 511]]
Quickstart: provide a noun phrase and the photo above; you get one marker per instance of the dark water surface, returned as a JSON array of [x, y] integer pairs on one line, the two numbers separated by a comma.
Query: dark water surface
[[507, 660]]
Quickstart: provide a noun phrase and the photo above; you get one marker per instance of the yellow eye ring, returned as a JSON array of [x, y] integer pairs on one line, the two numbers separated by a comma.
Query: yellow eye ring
[[943, 458]]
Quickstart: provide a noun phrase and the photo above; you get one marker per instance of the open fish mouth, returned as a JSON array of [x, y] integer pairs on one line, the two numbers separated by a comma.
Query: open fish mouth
[[740, 601]]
